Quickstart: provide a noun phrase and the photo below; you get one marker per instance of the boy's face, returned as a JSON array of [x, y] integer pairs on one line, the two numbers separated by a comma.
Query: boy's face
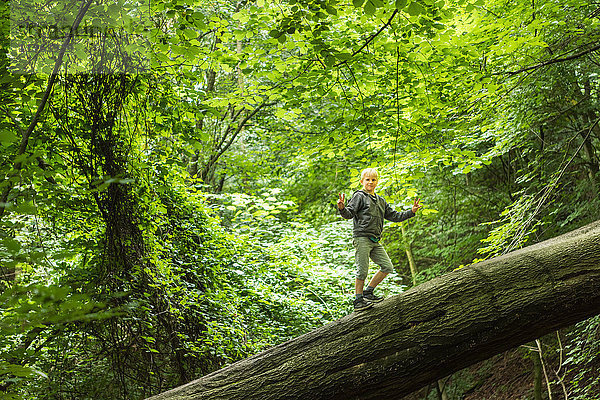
[[369, 183]]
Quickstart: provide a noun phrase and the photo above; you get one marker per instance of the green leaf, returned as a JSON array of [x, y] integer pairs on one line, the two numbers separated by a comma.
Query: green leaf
[[370, 8], [329, 60], [11, 245], [190, 33], [415, 8], [80, 51], [114, 11], [357, 3], [18, 370], [7, 137], [180, 50], [27, 208], [203, 135], [400, 4], [429, 211], [343, 56]]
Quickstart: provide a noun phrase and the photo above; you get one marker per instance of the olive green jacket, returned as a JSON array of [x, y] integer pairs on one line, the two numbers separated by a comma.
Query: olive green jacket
[[368, 213]]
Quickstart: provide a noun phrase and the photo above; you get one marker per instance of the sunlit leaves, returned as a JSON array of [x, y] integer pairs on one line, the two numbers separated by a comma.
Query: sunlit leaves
[[415, 8]]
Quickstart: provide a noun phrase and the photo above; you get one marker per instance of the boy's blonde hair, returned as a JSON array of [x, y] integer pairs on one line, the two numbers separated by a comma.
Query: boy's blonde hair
[[369, 172]]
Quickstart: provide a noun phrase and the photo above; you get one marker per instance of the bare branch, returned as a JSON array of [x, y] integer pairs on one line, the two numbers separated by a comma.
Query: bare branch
[[555, 61]]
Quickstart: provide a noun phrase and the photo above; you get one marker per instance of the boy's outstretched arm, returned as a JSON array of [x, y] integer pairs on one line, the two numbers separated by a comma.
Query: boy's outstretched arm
[[416, 205], [346, 212], [340, 202], [399, 216]]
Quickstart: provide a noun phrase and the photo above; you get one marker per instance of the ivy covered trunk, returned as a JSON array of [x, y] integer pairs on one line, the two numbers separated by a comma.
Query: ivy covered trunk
[[429, 332]]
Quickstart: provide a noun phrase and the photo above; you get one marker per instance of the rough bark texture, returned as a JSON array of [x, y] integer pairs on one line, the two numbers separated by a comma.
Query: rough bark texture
[[428, 332]]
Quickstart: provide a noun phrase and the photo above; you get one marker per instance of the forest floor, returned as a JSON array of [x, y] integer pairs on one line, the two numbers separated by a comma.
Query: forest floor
[[507, 376]]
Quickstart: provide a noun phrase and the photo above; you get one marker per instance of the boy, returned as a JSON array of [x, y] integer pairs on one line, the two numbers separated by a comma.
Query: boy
[[368, 211]]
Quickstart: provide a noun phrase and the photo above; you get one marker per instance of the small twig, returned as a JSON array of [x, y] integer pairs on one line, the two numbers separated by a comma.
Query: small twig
[[561, 379], [561, 351], [539, 346], [322, 301], [14, 121]]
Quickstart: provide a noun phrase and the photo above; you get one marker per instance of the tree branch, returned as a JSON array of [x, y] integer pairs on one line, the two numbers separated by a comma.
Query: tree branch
[[373, 36], [554, 61], [241, 126]]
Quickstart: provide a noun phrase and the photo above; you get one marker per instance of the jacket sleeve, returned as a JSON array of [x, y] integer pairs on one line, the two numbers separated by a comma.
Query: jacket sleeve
[[397, 216], [353, 206]]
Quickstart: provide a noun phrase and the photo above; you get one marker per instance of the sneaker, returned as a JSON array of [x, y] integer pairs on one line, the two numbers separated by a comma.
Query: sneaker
[[362, 304], [370, 296]]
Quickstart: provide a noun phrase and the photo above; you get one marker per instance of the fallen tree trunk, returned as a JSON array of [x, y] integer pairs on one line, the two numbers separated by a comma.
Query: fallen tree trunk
[[428, 332]]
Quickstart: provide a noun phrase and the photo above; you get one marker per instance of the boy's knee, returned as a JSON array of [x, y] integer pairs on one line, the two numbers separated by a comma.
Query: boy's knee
[[386, 269], [361, 274]]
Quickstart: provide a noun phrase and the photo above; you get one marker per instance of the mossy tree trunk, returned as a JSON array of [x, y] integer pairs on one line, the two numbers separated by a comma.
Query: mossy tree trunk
[[429, 332], [440, 386]]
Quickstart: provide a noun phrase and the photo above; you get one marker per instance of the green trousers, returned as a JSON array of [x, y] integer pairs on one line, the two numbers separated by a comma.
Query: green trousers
[[366, 249]]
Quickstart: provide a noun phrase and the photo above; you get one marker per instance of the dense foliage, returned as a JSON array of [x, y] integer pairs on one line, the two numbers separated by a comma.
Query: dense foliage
[[170, 171]]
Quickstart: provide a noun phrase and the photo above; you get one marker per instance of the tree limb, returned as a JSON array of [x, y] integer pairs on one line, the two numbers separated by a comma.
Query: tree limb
[[373, 36], [555, 61]]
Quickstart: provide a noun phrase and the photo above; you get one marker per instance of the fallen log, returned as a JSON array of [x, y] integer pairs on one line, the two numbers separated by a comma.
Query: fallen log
[[426, 333]]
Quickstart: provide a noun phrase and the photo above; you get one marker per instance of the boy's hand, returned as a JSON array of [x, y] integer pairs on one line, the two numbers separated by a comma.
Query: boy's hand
[[416, 205], [340, 202]]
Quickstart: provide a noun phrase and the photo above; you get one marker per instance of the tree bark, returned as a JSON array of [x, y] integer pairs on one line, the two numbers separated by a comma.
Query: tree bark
[[435, 329], [441, 387]]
